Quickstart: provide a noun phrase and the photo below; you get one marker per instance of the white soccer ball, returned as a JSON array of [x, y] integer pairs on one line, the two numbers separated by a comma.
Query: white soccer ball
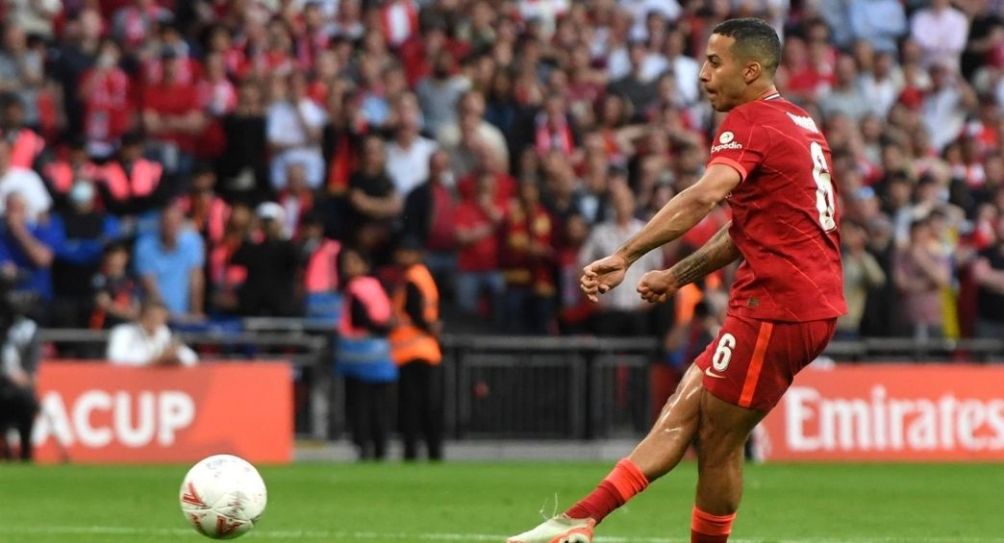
[[223, 496]]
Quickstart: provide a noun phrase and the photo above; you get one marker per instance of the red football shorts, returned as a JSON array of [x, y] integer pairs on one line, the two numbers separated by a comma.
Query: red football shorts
[[751, 363]]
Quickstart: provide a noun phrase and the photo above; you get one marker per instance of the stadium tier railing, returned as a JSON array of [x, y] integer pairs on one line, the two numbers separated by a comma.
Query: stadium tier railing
[[574, 387]]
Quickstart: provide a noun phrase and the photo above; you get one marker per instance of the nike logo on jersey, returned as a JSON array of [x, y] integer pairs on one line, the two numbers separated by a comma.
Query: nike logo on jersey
[[710, 373], [803, 122]]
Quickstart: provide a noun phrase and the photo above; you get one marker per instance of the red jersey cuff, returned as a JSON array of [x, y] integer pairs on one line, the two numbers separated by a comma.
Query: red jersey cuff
[[732, 164]]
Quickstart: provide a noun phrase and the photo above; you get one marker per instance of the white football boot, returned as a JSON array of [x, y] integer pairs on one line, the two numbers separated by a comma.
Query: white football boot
[[560, 529]]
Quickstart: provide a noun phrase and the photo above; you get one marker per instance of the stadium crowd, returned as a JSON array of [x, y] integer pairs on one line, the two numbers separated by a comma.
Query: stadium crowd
[[216, 154]]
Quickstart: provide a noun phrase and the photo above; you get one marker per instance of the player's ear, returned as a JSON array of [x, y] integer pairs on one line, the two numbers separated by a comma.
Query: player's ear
[[752, 71]]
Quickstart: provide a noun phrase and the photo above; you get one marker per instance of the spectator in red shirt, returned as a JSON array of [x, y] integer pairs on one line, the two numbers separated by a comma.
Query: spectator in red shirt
[[105, 92], [419, 51], [173, 116], [169, 38], [478, 224], [314, 37], [225, 277], [217, 94], [220, 42], [528, 263], [430, 214]]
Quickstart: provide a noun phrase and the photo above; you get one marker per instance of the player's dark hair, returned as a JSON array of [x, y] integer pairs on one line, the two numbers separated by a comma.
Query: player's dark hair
[[755, 39]]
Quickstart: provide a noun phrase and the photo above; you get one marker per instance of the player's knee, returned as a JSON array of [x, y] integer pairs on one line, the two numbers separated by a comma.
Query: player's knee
[[718, 441]]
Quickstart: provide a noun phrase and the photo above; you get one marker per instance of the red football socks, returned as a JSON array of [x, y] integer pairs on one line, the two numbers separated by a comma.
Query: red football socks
[[708, 528], [615, 490]]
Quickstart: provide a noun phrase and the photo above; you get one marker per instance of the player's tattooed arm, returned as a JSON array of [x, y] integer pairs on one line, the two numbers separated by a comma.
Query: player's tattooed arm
[[717, 253], [683, 211]]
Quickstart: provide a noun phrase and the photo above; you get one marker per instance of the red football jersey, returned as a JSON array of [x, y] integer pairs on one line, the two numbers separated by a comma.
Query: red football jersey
[[784, 215]]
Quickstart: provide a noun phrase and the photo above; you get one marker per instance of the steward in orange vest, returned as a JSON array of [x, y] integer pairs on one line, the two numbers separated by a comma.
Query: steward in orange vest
[[416, 310], [415, 348]]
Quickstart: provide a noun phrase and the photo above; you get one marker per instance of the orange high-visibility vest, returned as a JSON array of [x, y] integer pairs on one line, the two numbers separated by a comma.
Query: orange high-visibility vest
[[26, 148], [407, 341], [141, 181]]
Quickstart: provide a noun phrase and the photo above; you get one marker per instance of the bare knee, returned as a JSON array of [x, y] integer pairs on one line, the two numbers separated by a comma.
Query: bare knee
[[716, 446], [723, 430]]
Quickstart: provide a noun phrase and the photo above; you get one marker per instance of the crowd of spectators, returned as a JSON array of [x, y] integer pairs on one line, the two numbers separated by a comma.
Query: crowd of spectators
[[214, 154]]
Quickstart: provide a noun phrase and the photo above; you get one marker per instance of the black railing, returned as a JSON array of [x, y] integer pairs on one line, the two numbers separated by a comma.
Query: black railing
[[577, 387]]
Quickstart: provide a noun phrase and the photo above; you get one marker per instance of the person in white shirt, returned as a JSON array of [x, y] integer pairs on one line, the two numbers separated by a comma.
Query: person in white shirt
[[23, 181], [640, 10], [620, 314], [941, 32], [294, 126], [408, 153], [882, 84], [684, 68], [470, 132], [945, 107], [148, 341]]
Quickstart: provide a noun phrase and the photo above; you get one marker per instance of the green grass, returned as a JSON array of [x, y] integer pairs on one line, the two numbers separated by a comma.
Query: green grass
[[316, 503]]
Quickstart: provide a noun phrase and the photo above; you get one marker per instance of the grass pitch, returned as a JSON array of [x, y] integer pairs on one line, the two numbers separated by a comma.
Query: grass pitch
[[394, 503]]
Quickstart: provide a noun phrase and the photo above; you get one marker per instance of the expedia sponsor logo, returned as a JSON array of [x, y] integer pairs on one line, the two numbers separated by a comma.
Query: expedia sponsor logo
[[732, 145], [726, 140]]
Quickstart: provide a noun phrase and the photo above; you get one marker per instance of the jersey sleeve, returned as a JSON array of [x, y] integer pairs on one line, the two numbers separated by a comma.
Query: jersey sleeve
[[740, 143]]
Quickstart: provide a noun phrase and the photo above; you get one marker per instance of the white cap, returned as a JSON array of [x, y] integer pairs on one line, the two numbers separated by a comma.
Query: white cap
[[271, 210]]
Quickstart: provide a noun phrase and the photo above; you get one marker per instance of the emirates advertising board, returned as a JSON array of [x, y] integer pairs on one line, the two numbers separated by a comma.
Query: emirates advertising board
[[889, 412]]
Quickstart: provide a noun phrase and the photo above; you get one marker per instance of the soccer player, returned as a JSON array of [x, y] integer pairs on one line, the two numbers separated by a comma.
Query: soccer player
[[771, 163]]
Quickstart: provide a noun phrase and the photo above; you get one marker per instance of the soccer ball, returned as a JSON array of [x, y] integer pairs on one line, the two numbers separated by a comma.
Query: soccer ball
[[223, 496]]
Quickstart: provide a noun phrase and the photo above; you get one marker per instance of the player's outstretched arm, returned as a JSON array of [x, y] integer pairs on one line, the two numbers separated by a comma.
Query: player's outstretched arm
[[683, 211], [678, 215], [719, 251]]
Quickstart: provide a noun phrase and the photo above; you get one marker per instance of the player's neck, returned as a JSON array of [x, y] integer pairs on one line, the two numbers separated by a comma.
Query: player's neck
[[761, 92]]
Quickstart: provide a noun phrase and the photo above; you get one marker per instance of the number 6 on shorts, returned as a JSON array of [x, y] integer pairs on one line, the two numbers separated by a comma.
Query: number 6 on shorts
[[723, 354]]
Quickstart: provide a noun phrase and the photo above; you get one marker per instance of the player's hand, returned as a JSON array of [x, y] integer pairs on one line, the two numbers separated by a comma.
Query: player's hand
[[603, 275], [657, 286]]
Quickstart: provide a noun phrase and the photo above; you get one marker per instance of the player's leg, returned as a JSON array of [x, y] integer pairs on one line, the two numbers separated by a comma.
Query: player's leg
[[722, 435], [656, 455], [753, 365], [668, 440]]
